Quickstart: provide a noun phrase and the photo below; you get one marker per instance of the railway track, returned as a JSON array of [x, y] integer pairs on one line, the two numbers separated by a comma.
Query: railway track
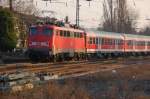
[[12, 79], [10, 68], [69, 68]]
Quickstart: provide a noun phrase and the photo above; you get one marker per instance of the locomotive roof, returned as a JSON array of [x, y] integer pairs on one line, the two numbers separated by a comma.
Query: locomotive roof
[[68, 29], [60, 28]]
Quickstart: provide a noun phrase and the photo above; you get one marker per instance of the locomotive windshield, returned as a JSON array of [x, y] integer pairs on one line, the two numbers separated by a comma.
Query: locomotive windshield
[[48, 31], [33, 31]]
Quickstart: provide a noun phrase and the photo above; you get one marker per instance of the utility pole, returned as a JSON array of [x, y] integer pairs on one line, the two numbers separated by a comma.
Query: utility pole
[[10, 5], [77, 12]]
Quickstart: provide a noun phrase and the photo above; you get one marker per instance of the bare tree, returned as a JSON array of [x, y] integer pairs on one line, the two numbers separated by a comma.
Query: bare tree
[[25, 7], [145, 31], [118, 17]]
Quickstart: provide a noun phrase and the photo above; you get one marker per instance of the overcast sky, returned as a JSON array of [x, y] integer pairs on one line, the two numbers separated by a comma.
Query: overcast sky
[[91, 16]]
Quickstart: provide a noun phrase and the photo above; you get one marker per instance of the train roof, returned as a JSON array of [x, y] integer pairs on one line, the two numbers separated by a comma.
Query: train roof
[[137, 37], [96, 33]]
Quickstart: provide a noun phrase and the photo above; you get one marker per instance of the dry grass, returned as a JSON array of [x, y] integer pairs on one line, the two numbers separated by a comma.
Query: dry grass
[[51, 90]]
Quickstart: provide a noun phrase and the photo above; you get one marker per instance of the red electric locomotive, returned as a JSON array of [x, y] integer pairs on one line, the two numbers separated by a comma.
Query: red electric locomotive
[[53, 42]]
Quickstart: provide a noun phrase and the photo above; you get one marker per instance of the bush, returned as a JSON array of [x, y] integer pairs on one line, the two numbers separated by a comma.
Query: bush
[[8, 38]]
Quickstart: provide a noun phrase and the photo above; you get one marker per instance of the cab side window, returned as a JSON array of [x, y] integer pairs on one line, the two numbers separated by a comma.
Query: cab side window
[[61, 33], [57, 32]]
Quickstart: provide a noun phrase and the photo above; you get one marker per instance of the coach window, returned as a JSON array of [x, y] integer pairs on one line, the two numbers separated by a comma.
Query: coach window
[[97, 41], [143, 43], [91, 40], [106, 41], [71, 34], [68, 33], [112, 43], [148, 44], [94, 40], [103, 41], [109, 42], [138, 43], [75, 34], [78, 35], [119, 42], [81, 35], [116, 42], [88, 41], [130, 43]]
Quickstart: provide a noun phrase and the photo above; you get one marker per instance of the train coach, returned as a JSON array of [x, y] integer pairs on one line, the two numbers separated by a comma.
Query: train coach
[[109, 44], [104, 44], [136, 44]]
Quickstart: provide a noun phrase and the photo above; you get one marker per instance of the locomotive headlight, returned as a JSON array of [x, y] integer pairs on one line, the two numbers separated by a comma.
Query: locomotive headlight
[[33, 43], [44, 43]]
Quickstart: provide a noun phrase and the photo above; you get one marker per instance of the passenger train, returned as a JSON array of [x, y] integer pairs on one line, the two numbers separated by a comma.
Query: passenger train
[[58, 43]]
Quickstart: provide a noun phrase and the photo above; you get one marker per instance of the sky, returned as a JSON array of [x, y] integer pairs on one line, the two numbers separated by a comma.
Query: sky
[[91, 16]]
